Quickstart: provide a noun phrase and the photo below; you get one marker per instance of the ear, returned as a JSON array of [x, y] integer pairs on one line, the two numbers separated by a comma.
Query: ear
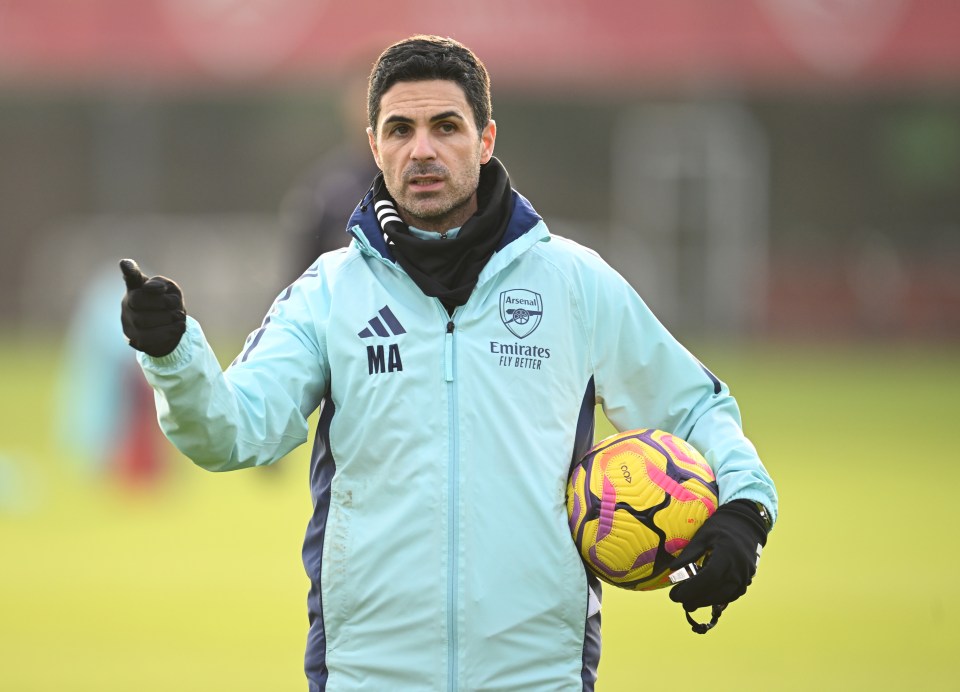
[[487, 140], [372, 138]]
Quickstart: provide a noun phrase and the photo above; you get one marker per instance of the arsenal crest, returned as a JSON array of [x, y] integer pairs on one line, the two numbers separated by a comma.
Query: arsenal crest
[[521, 311]]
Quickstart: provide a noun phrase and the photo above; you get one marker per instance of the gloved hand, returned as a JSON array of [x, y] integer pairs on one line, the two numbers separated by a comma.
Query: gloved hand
[[152, 311], [731, 538]]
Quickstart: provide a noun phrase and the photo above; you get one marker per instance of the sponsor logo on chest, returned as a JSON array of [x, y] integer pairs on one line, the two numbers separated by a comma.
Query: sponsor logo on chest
[[521, 312]]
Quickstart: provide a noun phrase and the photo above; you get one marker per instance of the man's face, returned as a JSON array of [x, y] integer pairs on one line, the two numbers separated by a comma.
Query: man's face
[[427, 145]]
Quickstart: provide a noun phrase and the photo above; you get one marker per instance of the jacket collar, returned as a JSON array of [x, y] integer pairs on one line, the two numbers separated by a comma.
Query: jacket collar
[[365, 228]]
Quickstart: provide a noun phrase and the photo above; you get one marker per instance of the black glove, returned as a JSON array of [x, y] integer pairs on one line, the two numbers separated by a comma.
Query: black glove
[[152, 311], [731, 538]]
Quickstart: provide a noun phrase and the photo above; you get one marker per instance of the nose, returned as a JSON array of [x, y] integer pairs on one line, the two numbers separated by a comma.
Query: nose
[[423, 149]]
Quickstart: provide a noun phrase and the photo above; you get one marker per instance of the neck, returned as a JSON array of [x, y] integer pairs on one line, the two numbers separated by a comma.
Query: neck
[[454, 218]]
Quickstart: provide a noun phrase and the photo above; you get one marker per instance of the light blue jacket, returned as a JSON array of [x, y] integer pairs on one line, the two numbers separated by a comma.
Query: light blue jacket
[[438, 551]]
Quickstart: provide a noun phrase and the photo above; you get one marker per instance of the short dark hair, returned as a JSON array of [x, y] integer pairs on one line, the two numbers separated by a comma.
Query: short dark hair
[[423, 57]]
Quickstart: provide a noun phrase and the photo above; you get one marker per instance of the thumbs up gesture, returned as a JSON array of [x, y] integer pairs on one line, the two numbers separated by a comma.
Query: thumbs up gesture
[[152, 311]]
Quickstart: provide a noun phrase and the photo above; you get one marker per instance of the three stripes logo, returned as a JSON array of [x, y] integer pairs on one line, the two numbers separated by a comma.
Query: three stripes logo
[[387, 213], [389, 325], [381, 359]]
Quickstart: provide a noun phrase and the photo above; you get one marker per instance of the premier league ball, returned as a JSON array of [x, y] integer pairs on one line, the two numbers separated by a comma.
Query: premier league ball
[[634, 502]]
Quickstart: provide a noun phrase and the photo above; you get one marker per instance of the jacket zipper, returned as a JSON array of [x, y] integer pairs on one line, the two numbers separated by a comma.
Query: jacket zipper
[[453, 522], [453, 492]]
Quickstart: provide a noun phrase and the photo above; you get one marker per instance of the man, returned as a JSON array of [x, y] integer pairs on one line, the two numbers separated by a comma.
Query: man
[[457, 351]]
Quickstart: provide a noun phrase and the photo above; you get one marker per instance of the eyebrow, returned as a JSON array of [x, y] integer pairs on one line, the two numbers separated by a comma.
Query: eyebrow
[[445, 115]]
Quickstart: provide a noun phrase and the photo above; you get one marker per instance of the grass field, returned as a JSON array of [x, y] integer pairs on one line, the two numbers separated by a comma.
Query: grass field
[[197, 584]]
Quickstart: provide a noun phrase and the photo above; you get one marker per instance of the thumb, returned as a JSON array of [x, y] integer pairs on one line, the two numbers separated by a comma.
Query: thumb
[[132, 276], [693, 551]]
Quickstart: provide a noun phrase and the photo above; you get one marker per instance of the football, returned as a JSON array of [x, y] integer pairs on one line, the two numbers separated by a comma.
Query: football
[[634, 501]]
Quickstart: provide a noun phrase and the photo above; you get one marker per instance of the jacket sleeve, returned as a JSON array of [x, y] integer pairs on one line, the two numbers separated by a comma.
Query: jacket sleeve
[[645, 378], [256, 411]]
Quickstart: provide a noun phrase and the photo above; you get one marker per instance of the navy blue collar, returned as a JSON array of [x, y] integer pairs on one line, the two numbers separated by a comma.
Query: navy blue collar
[[523, 218]]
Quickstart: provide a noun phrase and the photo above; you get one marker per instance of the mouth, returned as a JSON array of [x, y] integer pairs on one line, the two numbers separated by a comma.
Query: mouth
[[425, 177], [425, 183]]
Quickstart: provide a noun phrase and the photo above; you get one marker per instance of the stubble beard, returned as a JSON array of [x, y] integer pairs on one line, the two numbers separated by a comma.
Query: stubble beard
[[431, 212]]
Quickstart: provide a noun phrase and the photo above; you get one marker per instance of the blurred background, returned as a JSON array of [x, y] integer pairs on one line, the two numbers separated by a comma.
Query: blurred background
[[778, 178]]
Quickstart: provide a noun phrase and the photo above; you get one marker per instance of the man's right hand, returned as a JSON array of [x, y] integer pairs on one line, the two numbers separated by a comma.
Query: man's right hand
[[152, 311]]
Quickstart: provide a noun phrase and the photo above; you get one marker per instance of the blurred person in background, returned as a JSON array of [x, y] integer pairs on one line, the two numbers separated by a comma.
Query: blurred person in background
[[457, 351], [105, 417], [313, 212]]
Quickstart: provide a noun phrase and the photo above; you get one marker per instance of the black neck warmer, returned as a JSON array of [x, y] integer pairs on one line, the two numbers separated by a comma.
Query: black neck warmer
[[448, 268]]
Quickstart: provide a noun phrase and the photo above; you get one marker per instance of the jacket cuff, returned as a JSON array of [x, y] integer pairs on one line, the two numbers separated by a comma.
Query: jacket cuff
[[178, 357]]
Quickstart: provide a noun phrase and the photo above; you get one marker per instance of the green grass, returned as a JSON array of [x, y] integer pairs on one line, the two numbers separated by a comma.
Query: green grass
[[197, 585], [856, 588]]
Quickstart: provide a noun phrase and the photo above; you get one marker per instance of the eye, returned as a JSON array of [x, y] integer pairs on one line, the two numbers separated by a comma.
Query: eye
[[400, 130], [447, 128]]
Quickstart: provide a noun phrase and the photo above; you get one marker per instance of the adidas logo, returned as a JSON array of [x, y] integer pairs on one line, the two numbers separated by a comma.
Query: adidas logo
[[387, 213], [380, 359], [378, 328]]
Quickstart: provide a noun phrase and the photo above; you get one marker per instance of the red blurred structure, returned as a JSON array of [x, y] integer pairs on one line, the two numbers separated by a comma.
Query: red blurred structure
[[837, 117], [535, 42]]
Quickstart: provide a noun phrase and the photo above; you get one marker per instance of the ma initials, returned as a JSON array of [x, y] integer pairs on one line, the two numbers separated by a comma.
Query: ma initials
[[378, 363]]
